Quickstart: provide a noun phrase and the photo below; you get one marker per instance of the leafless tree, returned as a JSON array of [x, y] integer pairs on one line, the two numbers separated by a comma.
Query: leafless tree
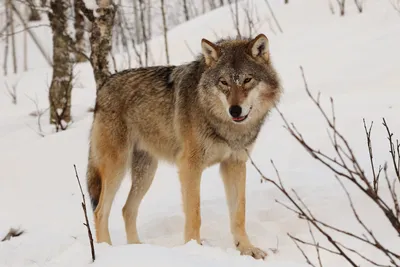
[[252, 17], [61, 84], [345, 167], [142, 8], [6, 45], [25, 49], [101, 37], [165, 28], [273, 16], [359, 5], [132, 39], [12, 92], [341, 4], [32, 34], [212, 4], [331, 8], [120, 28], [235, 18], [148, 8], [185, 9], [137, 27], [79, 25], [11, 19]]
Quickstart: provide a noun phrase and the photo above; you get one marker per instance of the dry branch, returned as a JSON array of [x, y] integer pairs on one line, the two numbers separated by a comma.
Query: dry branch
[[273, 16], [12, 233], [345, 167], [12, 92], [86, 217]]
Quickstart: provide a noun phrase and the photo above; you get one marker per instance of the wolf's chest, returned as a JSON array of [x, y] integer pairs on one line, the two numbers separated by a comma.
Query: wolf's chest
[[221, 152], [218, 149]]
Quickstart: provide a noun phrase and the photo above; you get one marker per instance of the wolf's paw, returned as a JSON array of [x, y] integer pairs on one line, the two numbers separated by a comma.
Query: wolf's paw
[[253, 251]]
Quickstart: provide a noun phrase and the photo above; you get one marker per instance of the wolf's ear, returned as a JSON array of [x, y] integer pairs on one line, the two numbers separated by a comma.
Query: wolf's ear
[[259, 47], [210, 50]]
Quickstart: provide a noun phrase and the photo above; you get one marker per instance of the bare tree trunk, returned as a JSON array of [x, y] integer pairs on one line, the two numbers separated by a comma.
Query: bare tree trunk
[[286, 1], [165, 30], [221, 2], [149, 24], [101, 37], [138, 34], [14, 52], [212, 4], [61, 85], [124, 39], [273, 16], [79, 25], [341, 4], [33, 36], [146, 52], [185, 10], [359, 4], [25, 48], [101, 40], [235, 18], [131, 35], [6, 45]]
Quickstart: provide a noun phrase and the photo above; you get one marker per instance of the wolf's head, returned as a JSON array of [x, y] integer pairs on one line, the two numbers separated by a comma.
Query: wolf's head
[[239, 83]]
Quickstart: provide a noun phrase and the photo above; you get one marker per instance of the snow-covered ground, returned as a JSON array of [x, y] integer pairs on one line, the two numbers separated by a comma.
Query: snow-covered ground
[[355, 59]]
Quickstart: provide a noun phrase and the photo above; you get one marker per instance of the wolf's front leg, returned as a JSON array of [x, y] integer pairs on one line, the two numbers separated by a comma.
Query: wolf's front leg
[[190, 176], [233, 173]]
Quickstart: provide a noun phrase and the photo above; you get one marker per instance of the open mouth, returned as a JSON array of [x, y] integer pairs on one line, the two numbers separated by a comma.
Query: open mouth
[[242, 118]]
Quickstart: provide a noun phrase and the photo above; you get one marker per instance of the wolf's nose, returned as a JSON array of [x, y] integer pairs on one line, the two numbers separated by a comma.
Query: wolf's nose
[[235, 111]]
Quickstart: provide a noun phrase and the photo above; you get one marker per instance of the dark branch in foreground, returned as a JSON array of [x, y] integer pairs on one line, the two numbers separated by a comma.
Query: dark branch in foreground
[[86, 217], [12, 233]]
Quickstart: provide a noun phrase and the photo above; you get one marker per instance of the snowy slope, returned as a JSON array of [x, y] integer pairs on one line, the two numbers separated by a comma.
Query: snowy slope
[[355, 59]]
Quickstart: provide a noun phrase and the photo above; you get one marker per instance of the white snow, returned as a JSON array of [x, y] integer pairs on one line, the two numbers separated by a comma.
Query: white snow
[[355, 59]]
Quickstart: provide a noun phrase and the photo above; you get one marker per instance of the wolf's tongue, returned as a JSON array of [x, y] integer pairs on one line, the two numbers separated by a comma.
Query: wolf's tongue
[[238, 118]]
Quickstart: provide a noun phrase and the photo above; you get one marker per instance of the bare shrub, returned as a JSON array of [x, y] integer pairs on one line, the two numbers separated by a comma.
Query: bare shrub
[[345, 167], [12, 233], [12, 91]]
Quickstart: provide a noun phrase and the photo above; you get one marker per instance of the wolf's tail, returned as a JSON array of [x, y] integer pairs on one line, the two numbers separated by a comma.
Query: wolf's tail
[[93, 183]]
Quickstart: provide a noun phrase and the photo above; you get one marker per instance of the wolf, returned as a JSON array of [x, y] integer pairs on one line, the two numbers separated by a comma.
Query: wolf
[[195, 115]]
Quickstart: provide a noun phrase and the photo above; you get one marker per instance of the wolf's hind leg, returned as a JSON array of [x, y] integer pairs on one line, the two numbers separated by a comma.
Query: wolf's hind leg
[[144, 167], [106, 169], [233, 173]]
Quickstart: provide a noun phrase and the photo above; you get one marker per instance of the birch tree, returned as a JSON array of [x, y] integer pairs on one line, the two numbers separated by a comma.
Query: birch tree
[[79, 24], [61, 85], [101, 37]]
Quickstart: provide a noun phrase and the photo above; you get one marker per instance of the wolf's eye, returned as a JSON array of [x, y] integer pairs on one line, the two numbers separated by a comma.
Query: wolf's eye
[[247, 80], [224, 82]]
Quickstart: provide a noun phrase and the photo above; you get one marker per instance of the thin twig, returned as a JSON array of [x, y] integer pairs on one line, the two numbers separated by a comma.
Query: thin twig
[[86, 217]]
